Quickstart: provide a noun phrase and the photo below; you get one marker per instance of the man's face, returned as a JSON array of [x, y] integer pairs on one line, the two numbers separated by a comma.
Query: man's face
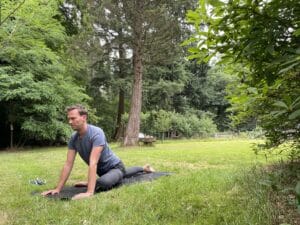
[[76, 121]]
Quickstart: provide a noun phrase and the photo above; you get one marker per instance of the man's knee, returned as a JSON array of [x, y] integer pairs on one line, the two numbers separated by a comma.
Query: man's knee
[[109, 180], [103, 184]]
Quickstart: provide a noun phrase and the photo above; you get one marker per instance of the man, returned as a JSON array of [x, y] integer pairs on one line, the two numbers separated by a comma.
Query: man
[[90, 142]]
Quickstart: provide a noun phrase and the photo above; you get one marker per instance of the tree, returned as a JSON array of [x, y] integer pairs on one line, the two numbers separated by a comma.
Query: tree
[[35, 86], [112, 31], [149, 32], [162, 122], [206, 91], [113, 23], [263, 38], [162, 83], [153, 26]]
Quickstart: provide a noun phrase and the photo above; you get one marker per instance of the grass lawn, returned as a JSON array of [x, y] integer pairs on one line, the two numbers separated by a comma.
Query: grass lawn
[[213, 183]]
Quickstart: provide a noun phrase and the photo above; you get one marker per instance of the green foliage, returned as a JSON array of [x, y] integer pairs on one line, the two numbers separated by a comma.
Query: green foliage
[[191, 125], [260, 39], [289, 109], [162, 122], [206, 91], [48, 50], [162, 84], [35, 86], [112, 35], [183, 125], [263, 34], [297, 190]]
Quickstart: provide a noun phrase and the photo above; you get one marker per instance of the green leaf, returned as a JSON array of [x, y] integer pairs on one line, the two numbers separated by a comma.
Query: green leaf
[[286, 69], [189, 41], [216, 3], [194, 50], [202, 7], [192, 16], [194, 56], [296, 103], [270, 49], [277, 113], [294, 115], [297, 32], [281, 104], [252, 90]]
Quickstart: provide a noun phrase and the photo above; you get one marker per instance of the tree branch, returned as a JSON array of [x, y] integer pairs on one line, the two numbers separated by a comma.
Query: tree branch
[[1, 22]]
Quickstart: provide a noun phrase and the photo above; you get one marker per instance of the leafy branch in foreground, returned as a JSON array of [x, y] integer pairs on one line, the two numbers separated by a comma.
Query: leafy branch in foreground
[[261, 39]]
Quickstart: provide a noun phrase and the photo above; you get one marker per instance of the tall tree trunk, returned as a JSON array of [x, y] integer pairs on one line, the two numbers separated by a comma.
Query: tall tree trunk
[[119, 131], [11, 135], [133, 128]]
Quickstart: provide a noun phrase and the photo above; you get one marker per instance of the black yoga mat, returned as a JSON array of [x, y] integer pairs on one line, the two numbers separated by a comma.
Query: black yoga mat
[[68, 192]]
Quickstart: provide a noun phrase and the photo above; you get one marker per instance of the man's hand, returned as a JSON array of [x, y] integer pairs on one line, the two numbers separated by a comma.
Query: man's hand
[[82, 195], [64, 173], [50, 192]]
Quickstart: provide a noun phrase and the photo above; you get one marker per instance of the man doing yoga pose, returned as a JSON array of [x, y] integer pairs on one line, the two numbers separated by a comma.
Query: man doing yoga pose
[[90, 142]]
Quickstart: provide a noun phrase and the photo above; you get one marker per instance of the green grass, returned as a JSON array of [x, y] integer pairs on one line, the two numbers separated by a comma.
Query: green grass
[[213, 183]]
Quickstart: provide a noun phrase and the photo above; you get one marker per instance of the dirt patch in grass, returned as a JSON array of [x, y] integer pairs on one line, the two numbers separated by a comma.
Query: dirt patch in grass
[[286, 208], [3, 218], [283, 178]]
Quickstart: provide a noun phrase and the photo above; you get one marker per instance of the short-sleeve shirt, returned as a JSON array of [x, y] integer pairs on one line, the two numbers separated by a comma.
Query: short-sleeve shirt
[[94, 137]]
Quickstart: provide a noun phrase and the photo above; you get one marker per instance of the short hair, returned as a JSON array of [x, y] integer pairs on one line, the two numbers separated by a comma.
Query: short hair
[[81, 109]]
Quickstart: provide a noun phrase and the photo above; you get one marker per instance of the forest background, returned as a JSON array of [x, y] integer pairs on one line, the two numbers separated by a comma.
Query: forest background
[[165, 68]]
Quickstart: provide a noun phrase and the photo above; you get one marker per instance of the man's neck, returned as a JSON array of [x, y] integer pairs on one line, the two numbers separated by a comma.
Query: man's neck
[[83, 130]]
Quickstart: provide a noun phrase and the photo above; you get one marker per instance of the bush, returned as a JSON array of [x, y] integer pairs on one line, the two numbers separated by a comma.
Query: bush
[[186, 125]]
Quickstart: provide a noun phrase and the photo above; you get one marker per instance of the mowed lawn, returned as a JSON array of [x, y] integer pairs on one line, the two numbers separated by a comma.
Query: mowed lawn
[[213, 182]]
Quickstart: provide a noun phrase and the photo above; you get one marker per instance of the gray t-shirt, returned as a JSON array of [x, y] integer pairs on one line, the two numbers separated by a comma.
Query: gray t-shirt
[[94, 137]]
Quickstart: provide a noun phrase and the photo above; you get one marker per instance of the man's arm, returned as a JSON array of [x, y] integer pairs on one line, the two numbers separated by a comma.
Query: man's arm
[[92, 174], [65, 173]]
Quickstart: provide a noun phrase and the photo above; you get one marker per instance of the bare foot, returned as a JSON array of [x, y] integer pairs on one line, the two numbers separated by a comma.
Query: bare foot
[[81, 184], [148, 169]]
